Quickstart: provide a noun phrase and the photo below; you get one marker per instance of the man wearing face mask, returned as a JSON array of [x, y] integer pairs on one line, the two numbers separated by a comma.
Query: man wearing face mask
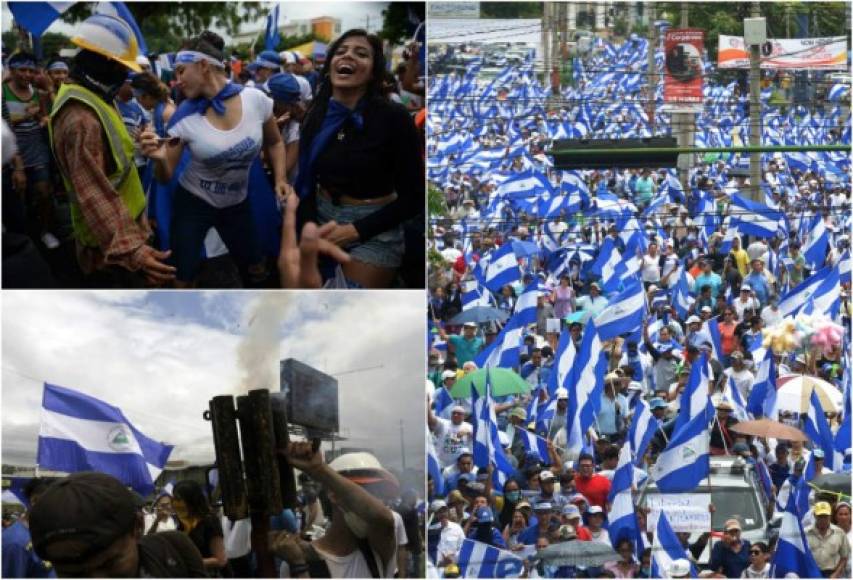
[[360, 542], [94, 153]]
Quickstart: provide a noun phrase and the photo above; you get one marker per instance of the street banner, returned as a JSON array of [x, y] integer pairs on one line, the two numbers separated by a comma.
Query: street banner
[[682, 81], [686, 512], [786, 53]]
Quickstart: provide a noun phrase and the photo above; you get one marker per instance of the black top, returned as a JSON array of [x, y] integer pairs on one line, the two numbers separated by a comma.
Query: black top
[[208, 528], [169, 555], [383, 157]]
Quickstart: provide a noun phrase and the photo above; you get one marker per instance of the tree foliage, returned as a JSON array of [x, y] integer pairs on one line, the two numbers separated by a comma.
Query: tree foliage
[[397, 26], [51, 42]]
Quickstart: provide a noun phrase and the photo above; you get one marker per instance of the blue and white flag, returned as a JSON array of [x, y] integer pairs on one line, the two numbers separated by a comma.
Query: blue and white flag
[[505, 350], [793, 555], [271, 34], [563, 360], [732, 394], [666, 549], [587, 379], [681, 299], [815, 246], [624, 314], [686, 460], [434, 466], [609, 266], [695, 399], [823, 287], [622, 517], [442, 402], [844, 267], [487, 446], [36, 17], [818, 430], [501, 268], [753, 218], [643, 427], [121, 11], [82, 433], [480, 560], [535, 444], [763, 386]]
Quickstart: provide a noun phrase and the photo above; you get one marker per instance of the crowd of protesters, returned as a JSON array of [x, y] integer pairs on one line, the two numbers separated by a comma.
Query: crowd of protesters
[[120, 173], [710, 294], [352, 520]]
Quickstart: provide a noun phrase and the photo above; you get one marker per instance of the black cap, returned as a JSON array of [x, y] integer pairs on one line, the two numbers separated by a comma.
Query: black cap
[[93, 508]]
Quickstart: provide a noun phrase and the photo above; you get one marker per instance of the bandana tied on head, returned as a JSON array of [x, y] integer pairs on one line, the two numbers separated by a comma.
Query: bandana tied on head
[[58, 65], [199, 105], [336, 115]]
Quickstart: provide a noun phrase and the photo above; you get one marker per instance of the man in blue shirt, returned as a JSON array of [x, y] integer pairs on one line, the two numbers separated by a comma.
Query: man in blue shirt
[[708, 278], [757, 281], [19, 559], [467, 346], [544, 514]]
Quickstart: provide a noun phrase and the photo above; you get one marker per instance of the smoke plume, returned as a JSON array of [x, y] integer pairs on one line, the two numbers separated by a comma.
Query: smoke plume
[[258, 353]]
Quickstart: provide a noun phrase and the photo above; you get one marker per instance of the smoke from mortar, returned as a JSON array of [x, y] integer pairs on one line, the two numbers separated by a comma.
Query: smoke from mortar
[[258, 353]]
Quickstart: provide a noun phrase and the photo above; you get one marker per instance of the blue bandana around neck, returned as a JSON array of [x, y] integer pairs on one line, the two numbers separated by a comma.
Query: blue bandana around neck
[[199, 105], [336, 115]]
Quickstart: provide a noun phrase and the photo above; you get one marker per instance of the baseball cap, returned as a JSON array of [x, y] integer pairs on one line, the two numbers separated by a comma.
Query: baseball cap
[[437, 504], [547, 476], [732, 524], [484, 515], [746, 288], [725, 405], [595, 509], [578, 497], [657, 403], [458, 409], [562, 393], [822, 508], [519, 412], [693, 319], [93, 508], [706, 309], [470, 325], [679, 568], [542, 506], [571, 511], [448, 375], [737, 354], [818, 453]]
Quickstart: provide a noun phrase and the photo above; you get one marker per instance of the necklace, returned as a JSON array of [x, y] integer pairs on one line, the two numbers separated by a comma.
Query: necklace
[[341, 135]]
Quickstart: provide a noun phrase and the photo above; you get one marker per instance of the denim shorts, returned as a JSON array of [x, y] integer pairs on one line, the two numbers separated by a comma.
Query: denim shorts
[[384, 250]]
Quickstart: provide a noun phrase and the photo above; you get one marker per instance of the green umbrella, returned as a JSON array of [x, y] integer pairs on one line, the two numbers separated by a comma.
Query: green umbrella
[[503, 381]]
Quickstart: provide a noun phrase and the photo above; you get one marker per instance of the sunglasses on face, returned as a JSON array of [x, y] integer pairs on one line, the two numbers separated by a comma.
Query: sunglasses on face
[[756, 552]]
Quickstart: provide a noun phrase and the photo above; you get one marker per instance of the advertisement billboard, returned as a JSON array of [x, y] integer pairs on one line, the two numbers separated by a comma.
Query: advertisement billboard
[[683, 70], [786, 53]]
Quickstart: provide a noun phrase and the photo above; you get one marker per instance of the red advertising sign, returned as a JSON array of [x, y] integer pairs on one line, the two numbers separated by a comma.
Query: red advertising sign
[[683, 70]]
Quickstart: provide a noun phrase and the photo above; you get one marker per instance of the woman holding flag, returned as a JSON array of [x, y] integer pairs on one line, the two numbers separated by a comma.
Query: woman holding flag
[[360, 169]]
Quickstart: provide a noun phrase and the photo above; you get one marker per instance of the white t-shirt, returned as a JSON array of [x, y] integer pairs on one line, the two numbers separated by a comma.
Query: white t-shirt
[[168, 526], [450, 541], [237, 537], [218, 171], [651, 268], [451, 439], [353, 565], [743, 380]]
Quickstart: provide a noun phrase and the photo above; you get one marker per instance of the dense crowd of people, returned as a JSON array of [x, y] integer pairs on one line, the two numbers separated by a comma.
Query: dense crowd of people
[[352, 520], [114, 178], [629, 301]]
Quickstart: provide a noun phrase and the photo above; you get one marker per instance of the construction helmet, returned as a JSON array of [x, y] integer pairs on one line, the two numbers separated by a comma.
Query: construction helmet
[[110, 37], [363, 468]]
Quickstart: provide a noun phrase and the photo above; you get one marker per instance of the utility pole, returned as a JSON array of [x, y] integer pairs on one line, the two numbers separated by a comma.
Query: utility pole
[[652, 71], [555, 41], [685, 125], [755, 112], [546, 45]]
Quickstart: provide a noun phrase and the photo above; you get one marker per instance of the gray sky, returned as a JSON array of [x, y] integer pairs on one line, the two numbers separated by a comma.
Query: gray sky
[[160, 357], [352, 15]]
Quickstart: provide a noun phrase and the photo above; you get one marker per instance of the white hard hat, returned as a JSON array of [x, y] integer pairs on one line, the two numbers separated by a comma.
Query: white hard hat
[[108, 36], [363, 468]]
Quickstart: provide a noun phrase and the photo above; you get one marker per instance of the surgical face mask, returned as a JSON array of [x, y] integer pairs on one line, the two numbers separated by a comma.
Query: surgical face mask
[[513, 496], [356, 525]]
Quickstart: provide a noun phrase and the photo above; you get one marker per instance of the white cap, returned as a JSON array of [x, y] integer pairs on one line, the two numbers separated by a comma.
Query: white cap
[[693, 319], [287, 56], [679, 568], [304, 88], [594, 509], [562, 393], [448, 374]]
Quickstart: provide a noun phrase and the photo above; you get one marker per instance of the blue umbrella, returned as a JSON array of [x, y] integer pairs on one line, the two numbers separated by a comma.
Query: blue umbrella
[[480, 315]]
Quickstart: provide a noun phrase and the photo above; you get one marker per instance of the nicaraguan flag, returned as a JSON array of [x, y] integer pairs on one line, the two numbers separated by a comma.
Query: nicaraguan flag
[[563, 358], [815, 246], [793, 555], [732, 394], [666, 549], [120, 10], [36, 17], [442, 402], [587, 378], [753, 218], [764, 385], [504, 351], [271, 35], [609, 266], [685, 461], [694, 400], [82, 433], [642, 429], [480, 560], [681, 299], [487, 446], [817, 428], [434, 466], [622, 517], [534, 443], [624, 314], [844, 267], [823, 287], [502, 268]]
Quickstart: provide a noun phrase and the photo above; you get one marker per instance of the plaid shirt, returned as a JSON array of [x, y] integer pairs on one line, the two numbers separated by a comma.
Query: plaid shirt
[[81, 150]]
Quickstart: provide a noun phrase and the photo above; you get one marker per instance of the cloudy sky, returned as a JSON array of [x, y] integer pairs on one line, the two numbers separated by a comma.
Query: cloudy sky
[[352, 15], [160, 357]]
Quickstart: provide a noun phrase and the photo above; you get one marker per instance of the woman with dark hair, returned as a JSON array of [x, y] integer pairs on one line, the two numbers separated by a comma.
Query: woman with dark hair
[[223, 125], [360, 169], [197, 520]]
